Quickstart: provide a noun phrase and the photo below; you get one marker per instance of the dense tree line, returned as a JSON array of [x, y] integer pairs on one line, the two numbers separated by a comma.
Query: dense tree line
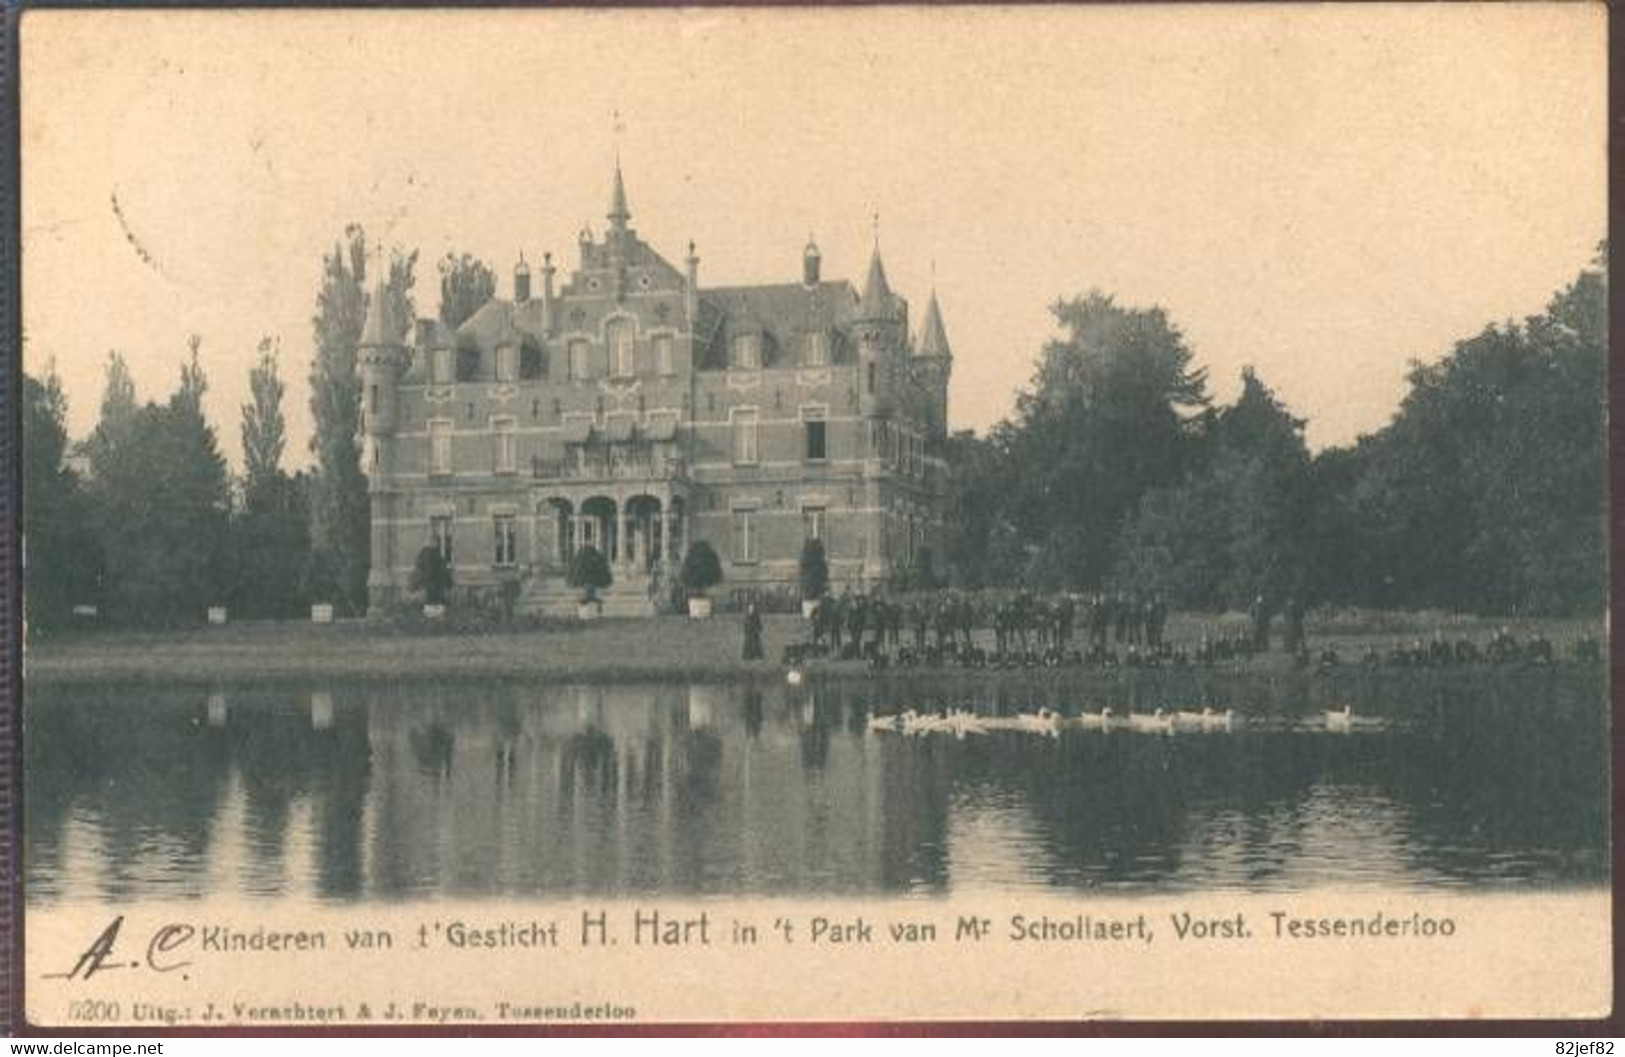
[[1485, 493], [142, 521]]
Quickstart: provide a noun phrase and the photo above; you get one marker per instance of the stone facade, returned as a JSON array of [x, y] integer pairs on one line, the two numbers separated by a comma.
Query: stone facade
[[632, 409]]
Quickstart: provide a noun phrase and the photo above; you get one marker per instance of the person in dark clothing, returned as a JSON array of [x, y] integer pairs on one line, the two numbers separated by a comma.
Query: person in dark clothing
[[1292, 639], [1156, 621], [753, 633], [1258, 614]]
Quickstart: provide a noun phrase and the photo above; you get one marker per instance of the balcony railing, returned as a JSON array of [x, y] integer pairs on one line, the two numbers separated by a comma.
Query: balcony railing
[[619, 467]]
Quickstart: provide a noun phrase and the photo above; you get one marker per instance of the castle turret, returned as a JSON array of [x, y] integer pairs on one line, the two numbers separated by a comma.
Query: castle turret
[[381, 358], [934, 362], [877, 327]]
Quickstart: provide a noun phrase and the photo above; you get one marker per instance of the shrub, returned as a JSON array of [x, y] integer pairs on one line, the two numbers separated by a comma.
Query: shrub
[[702, 569], [432, 575], [814, 570], [589, 571]]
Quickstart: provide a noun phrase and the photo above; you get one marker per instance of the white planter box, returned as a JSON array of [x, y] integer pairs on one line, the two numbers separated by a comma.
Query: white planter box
[[699, 607], [434, 612], [589, 610], [321, 614], [808, 606], [217, 614]]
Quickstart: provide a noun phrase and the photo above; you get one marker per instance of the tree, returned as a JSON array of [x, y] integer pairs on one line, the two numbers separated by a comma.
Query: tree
[[702, 569], [60, 556], [161, 501], [466, 283], [814, 570], [589, 572], [1238, 525], [339, 507], [118, 409], [264, 431], [1107, 417], [271, 533], [431, 574]]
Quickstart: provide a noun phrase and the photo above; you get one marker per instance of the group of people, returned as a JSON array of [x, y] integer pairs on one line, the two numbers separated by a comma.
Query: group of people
[[1503, 648], [854, 622], [1119, 630]]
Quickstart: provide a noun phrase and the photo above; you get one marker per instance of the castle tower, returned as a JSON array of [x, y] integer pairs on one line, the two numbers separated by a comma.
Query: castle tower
[[381, 358], [878, 329], [934, 362]]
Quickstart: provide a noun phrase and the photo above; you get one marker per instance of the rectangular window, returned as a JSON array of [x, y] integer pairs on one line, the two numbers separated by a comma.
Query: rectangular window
[[620, 349], [748, 351], [578, 359], [440, 446], [440, 535], [505, 363], [372, 398], [665, 361], [441, 367], [505, 453], [744, 423], [813, 523], [817, 349], [816, 429], [503, 535], [744, 536]]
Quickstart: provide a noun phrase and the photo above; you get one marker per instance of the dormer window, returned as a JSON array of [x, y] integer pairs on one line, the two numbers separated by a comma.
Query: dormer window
[[748, 351], [817, 349], [441, 367]]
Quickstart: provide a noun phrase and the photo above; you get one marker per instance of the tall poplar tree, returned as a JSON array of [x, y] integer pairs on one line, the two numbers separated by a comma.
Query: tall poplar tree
[[339, 512]]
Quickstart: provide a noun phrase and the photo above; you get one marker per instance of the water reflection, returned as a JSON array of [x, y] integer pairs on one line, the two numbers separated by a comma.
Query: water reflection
[[391, 791]]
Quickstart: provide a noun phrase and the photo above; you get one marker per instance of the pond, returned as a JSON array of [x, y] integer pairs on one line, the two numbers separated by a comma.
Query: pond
[[342, 792]]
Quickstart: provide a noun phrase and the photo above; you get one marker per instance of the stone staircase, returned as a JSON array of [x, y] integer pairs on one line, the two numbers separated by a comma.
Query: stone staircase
[[628, 596]]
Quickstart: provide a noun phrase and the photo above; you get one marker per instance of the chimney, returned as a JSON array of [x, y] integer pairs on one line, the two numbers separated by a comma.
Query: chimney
[[810, 261], [691, 294], [521, 281], [547, 293]]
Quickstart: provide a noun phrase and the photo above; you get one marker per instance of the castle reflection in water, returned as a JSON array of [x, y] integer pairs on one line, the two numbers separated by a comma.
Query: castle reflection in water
[[470, 789]]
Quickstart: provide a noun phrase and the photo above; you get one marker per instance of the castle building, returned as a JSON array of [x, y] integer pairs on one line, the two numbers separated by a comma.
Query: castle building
[[635, 411]]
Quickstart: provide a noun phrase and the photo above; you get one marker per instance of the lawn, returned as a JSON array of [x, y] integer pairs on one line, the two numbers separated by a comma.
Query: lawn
[[660, 648]]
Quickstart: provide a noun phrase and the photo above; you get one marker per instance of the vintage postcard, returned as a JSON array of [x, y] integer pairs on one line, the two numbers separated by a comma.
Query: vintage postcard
[[676, 515]]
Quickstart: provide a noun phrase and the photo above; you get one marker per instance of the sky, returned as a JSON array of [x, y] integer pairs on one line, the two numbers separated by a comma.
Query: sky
[[1322, 192]]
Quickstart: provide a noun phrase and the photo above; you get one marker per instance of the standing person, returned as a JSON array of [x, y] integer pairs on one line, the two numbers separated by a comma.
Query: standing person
[[1259, 614], [1158, 620], [753, 633], [1066, 614], [1292, 640]]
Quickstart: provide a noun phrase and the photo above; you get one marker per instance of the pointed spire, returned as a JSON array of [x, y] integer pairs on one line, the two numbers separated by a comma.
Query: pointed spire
[[380, 330], [933, 336], [877, 301], [619, 214]]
